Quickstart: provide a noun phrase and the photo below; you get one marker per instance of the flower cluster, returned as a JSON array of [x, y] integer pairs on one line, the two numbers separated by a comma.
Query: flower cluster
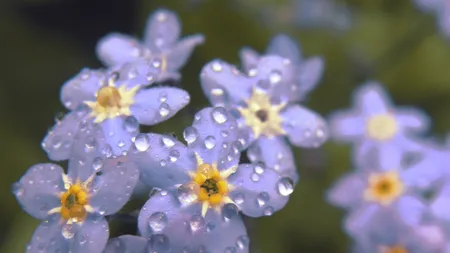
[[398, 196], [198, 190]]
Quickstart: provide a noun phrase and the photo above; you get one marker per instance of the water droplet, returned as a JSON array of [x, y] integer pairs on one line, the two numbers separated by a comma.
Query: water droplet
[[142, 142], [159, 243], [254, 177], [275, 77], [158, 221], [196, 223], [101, 210], [173, 155], [210, 142], [190, 134], [268, 211], [67, 231], [229, 211], [168, 141], [239, 198], [162, 97], [252, 72], [17, 189], [163, 163], [82, 238], [285, 186], [262, 199], [230, 250], [121, 144], [97, 164], [107, 151], [259, 168], [210, 226], [131, 124], [187, 193], [216, 66], [242, 242], [164, 109], [219, 115]]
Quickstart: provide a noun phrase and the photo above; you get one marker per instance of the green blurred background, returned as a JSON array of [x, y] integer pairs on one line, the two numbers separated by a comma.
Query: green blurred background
[[45, 42]]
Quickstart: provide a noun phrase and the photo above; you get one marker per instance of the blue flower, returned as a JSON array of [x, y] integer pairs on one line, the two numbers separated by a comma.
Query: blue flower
[[161, 44], [441, 8], [72, 207], [375, 126], [265, 116], [300, 76], [108, 107], [202, 183]]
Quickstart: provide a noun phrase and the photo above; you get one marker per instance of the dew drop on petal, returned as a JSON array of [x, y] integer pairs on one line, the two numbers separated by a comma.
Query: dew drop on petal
[[164, 109], [210, 142], [173, 155], [163, 163], [187, 193], [158, 221], [216, 66], [230, 250], [17, 189], [97, 164], [196, 223], [131, 124], [285, 186], [275, 77], [259, 168], [242, 242], [219, 115], [254, 177], [239, 198], [229, 211], [268, 211], [262, 199], [67, 231], [168, 141], [159, 243], [190, 134], [142, 142]]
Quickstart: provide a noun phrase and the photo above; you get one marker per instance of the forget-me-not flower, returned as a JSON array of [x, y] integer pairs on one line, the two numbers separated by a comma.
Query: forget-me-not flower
[[265, 116], [161, 43], [298, 79], [72, 207], [375, 126]]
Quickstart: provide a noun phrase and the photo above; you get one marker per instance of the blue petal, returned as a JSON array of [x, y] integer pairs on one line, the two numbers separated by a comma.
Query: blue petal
[[38, 190], [444, 20], [156, 105], [371, 99], [223, 84], [440, 206], [284, 46], [162, 160], [413, 119], [215, 140], [362, 219], [259, 192], [81, 88], [304, 127], [249, 59], [140, 72], [59, 140], [425, 173], [126, 244], [410, 209], [162, 30], [112, 190], [175, 228], [115, 49], [346, 192], [48, 237], [347, 126], [180, 53], [117, 133], [91, 236], [311, 71], [390, 156], [276, 154]]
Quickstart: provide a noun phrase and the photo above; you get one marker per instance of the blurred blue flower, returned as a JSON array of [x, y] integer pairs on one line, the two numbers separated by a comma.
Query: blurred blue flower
[[161, 44], [109, 106], [199, 177], [441, 8], [264, 114], [375, 126], [72, 207], [301, 77]]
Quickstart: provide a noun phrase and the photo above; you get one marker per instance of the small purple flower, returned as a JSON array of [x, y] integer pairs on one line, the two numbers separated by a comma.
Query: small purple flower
[[265, 116], [161, 43], [441, 8], [375, 126], [298, 79], [202, 183], [109, 106], [72, 207]]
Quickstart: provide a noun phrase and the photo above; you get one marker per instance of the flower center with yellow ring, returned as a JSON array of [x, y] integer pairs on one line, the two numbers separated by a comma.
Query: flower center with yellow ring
[[381, 127], [384, 187]]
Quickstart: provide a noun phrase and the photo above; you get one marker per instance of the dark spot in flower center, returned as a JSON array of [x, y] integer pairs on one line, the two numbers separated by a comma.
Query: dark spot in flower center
[[262, 115], [71, 200], [210, 185], [384, 187]]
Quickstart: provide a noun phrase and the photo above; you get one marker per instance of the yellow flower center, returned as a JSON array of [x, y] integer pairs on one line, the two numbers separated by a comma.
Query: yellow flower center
[[211, 185], [262, 116], [381, 127], [112, 101], [73, 203], [394, 249], [384, 187]]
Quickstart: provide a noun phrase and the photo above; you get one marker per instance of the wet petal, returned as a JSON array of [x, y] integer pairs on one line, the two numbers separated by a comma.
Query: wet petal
[[347, 191], [59, 140], [304, 127], [140, 72], [284, 46], [372, 99], [223, 84], [91, 236], [115, 49], [126, 244], [48, 237], [249, 58], [440, 205], [410, 209], [311, 71], [113, 188], [276, 154], [81, 88], [178, 55], [162, 160], [347, 126], [215, 140], [413, 119], [38, 190], [117, 135], [177, 228], [162, 30], [258, 191], [158, 104]]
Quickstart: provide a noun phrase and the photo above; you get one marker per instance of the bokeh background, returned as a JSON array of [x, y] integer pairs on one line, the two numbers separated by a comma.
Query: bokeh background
[[45, 42]]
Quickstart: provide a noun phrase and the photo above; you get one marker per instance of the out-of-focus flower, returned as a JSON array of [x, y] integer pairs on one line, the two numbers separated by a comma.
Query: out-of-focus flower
[[161, 45], [72, 207], [265, 116], [110, 106], [299, 78], [377, 128], [441, 8]]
